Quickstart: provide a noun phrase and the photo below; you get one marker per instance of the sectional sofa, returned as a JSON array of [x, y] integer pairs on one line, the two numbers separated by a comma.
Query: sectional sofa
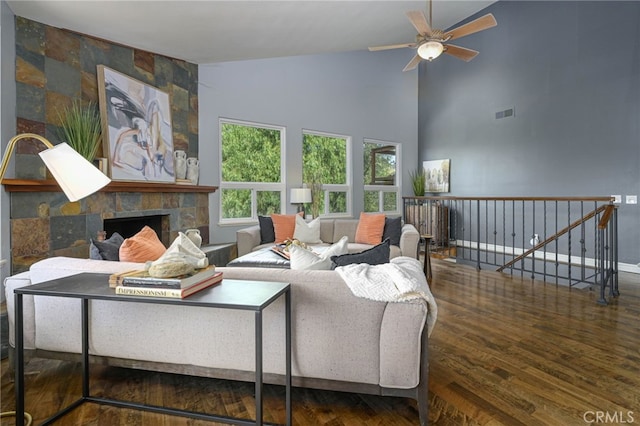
[[331, 230], [339, 342]]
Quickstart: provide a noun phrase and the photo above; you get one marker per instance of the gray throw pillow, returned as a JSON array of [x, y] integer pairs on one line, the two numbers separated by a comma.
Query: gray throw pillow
[[392, 230], [108, 249], [376, 255], [267, 232]]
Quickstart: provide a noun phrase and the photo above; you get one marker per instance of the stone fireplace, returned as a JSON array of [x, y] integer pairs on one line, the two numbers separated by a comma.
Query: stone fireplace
[[45, 224]]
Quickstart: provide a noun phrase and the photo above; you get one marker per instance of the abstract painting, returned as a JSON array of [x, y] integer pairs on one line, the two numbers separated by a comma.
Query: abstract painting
[[436, 175], [136, 128]]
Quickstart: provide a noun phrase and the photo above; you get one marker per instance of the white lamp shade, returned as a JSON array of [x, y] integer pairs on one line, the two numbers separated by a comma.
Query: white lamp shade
[[76, 176], [300, 195], [430, 50]]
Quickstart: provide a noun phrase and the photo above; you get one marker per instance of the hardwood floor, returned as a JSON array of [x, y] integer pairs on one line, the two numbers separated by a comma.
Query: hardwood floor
[[506, 350]]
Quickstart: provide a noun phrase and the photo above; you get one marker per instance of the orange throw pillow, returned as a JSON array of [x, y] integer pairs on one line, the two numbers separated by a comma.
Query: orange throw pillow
[[370, 228], [142, 247], [284, 226]]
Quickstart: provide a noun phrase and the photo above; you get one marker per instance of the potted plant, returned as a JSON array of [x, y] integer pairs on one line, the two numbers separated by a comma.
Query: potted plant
[[418, 181], [80, 128]]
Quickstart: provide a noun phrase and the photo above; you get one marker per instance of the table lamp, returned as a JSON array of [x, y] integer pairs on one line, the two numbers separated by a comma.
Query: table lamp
[[76, 176], [300, 196]]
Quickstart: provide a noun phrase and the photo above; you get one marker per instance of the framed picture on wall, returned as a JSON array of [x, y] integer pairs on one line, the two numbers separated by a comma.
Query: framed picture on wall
[[436, 175], [136, 128]]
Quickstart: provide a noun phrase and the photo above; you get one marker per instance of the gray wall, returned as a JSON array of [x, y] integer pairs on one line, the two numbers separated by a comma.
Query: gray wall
[[7, 124], [571, 70], [359, 94]]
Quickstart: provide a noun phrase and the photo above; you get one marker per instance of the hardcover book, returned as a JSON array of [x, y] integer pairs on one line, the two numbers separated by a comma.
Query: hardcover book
[[141, 278], [178, 293], [281, 250]]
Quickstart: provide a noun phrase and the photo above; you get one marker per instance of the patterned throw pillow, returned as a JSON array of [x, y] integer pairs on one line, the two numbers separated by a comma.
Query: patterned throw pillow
[[370, 228], [142, 247]]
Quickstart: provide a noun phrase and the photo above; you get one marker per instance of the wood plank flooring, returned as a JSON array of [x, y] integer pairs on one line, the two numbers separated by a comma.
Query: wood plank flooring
[[506, 350]]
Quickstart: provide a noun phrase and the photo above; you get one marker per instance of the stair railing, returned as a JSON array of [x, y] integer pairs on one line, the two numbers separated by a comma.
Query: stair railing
[[570, 240]]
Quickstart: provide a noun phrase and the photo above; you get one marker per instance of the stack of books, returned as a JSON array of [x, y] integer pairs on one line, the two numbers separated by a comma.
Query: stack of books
[[140, 283]]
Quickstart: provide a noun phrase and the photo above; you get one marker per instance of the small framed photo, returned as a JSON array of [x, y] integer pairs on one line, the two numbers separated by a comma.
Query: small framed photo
[[436, 175]]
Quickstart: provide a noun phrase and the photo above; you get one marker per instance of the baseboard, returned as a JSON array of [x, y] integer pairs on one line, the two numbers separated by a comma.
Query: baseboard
[[547, 256]]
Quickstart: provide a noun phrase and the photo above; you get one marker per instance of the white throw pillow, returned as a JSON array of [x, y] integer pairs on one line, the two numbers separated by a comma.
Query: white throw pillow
[[308, 233], [303, 259]]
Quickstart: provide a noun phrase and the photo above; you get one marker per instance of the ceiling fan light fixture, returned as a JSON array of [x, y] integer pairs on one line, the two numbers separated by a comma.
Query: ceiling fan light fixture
[[430, 50]]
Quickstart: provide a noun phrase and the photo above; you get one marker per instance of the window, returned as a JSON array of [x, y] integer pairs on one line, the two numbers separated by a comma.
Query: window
[[326, 169], [381, 186], [252, 176]]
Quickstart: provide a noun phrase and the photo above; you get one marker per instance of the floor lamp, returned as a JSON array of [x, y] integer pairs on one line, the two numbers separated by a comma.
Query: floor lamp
[[76, 176]]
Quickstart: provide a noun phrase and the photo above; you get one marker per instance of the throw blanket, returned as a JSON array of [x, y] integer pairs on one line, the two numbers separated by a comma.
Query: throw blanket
[[400, 280]]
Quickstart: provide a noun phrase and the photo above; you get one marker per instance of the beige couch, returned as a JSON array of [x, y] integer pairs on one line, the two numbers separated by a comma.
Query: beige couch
[[331, 230], [339, 341]]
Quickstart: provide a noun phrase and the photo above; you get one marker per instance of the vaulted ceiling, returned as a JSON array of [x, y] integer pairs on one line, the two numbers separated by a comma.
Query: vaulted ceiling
[[219, 31]]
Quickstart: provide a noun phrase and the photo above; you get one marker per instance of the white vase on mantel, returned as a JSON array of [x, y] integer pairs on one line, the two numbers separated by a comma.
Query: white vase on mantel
[[180, 164], [194, 235], [193, 169]]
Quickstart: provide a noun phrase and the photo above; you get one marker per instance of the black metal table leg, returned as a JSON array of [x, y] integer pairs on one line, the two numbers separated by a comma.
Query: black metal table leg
[[259, 368], [19, 365], [85, 348], [287, 299]]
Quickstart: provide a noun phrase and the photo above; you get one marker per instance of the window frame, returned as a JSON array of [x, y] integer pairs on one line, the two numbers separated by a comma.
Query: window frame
[[255, 187], [346, 187], [381, 189]]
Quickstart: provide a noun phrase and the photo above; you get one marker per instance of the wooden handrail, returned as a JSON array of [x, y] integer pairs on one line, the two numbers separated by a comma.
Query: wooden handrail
[[606, 217], [563, 231], [606, 199]]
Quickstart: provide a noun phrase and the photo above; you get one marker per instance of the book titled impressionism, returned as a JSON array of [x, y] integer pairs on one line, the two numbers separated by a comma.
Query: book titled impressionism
[[178, 293], [141, 278]]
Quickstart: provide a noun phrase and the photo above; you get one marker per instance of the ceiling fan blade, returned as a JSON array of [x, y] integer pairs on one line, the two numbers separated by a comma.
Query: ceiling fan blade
[[412, 63], [391, 46], [482, 23], [460, 52], [420, 23]]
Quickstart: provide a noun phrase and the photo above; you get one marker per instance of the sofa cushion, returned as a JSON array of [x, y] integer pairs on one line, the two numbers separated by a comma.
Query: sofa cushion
[[370, 228], [142, 247], [308, 233], [284, 225], [376, 255], [392, 230], [108, 249], [342, 227], [267, 233], [303, 259]]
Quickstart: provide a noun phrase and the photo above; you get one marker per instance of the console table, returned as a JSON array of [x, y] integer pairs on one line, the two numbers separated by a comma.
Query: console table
[[229, 294]]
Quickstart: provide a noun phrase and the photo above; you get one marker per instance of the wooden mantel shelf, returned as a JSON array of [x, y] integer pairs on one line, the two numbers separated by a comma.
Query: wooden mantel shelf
[[41, 185]]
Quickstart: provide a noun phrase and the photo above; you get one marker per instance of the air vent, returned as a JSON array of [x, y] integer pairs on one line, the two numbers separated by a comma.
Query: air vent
[[505, 113]]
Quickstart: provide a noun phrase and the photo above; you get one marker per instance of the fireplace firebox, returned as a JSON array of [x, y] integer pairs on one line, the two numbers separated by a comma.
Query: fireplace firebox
[[129, 226]]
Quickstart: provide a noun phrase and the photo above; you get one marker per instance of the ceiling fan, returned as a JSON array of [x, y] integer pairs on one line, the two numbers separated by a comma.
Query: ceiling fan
[[432, 42]]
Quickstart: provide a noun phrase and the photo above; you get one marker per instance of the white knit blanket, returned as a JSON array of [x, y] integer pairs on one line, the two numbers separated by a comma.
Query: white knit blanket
[[400, 280]]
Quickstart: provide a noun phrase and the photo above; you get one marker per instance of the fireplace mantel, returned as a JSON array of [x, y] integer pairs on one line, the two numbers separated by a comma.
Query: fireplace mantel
[[41, 185]]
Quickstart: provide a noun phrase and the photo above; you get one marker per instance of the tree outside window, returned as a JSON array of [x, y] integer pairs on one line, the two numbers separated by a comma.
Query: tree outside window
[[326, 170], [251, 181]]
